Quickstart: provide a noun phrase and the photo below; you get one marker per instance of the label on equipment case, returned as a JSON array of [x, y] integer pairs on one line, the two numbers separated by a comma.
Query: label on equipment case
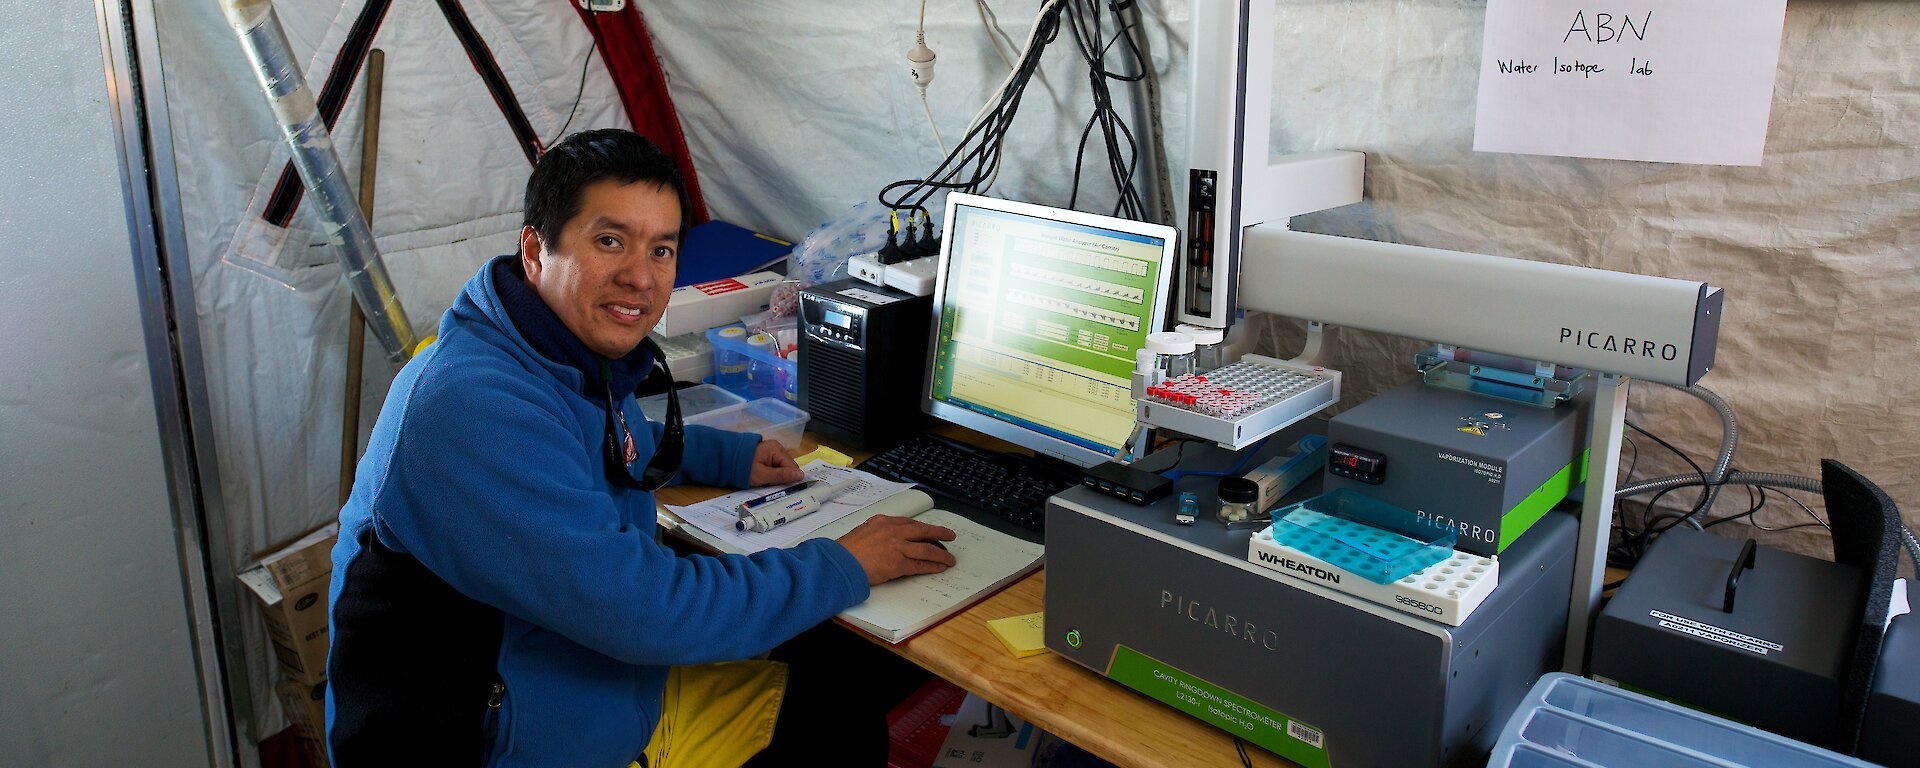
[[868, 296], [1706, 631], [1220, 708]]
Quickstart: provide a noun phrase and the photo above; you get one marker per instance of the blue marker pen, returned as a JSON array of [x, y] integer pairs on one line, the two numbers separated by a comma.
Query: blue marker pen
[[750, 504]]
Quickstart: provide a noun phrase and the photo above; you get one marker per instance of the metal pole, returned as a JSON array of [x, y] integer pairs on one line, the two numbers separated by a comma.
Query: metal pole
[[258, 27], [1606, 427], [134, 85]]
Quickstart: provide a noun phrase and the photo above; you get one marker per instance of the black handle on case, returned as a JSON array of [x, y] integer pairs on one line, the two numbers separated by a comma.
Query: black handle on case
[[1741, 564]]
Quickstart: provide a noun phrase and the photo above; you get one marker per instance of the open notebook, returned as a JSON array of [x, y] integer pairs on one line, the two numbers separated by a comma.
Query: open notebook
[[985, 559]]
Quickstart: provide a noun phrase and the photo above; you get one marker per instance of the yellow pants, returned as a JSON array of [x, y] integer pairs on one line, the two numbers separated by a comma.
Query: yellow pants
[[717, 715]]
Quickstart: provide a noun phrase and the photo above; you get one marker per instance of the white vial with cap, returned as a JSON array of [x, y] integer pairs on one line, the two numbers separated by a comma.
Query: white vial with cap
[[1175, 351], [1145, 365], [1207, 348]]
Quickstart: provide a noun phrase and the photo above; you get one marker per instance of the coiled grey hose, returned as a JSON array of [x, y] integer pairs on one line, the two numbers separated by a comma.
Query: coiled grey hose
[[1810, 485], [1721, 477], [1730, 440]]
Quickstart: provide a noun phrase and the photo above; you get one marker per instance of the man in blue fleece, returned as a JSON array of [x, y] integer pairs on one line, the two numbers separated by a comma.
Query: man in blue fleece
[[498, 593]]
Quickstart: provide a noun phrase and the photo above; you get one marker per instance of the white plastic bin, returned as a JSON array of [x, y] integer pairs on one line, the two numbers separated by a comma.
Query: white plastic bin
[[771, 417], [694, 400], [1573, 721]]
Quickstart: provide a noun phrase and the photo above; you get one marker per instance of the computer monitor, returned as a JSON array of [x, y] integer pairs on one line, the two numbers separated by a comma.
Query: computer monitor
[[1037, 315]]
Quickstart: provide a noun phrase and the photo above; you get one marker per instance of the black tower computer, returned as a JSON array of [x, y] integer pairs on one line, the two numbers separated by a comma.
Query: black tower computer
[[863, 362]]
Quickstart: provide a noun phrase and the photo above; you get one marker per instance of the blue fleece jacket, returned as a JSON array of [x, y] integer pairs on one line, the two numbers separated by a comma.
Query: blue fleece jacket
[[486, 468]]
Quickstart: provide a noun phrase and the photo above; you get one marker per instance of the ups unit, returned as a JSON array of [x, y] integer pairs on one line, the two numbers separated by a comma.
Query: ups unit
[[863, 361]]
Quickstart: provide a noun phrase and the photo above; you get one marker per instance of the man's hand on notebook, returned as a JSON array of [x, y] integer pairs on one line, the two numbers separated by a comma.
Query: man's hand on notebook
[[890, 547]]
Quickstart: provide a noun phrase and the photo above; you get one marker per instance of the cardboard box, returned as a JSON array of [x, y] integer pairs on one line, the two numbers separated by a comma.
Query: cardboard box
[[695, 308], [291, 583], [306, 708], [982, 735]]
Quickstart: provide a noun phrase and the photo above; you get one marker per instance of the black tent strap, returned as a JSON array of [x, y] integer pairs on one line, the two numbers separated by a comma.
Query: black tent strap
[[333, 97], [346, 71], [496, 81]]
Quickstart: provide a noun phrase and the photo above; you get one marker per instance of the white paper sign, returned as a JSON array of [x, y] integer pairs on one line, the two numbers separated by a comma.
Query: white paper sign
[[1674, 81]]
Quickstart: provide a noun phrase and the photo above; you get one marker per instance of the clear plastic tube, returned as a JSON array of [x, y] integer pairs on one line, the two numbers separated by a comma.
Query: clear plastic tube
[[333, 202]]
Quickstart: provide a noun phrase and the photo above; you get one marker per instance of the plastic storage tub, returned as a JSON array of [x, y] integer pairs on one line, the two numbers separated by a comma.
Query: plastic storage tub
[[694, 400], [1361, 534], [1578, 723], [750, 371], [771, 417]]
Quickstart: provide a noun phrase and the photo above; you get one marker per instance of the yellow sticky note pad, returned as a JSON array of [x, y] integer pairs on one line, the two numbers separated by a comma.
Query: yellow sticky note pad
[[1022, 635], [827, 455]]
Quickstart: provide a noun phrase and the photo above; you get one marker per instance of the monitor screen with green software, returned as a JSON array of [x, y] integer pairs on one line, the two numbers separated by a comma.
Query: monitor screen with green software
[[1038, 314]]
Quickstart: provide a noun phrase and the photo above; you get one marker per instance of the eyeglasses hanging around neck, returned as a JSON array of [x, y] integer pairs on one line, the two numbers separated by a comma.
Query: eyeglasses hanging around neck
[[621, 449]]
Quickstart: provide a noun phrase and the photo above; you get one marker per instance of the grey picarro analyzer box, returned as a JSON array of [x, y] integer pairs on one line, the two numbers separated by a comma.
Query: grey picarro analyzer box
[[1484, 467], [1314, 675]]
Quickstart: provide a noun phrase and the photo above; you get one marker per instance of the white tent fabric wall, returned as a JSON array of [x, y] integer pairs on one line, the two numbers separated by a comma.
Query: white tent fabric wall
[[795, 111]]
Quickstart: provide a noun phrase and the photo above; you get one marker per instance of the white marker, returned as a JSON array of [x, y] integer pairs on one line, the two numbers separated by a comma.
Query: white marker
[[766, 517]]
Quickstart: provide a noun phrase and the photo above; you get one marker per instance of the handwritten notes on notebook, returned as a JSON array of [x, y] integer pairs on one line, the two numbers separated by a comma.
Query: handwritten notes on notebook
[[985, 561]]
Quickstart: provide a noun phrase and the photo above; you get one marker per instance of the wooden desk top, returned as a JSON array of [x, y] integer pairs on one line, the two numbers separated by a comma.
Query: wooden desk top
[[1110, 720], [1099, 715]]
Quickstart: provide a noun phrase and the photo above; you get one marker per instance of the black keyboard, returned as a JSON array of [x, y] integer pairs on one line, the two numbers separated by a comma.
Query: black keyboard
[[1012, 487]]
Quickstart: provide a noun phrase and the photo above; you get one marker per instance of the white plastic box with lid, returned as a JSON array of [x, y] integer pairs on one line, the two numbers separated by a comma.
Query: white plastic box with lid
[[708, 405]]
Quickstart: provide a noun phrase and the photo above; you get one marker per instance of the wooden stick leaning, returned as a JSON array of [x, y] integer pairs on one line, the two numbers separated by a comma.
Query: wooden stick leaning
[[356, 319]]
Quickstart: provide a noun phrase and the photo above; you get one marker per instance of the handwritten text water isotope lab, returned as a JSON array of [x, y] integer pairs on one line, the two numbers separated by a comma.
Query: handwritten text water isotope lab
[[1599, 29]]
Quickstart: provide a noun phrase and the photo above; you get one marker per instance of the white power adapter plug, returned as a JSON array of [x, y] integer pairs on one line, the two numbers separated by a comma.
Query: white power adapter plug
[[920, 61]]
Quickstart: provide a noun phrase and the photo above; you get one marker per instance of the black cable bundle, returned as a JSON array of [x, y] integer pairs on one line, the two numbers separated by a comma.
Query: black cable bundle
[[1632, 542], [975, 160], [1089, 32]]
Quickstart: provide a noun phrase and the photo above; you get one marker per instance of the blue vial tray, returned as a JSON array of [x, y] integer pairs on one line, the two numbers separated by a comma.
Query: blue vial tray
[[1363, 535]]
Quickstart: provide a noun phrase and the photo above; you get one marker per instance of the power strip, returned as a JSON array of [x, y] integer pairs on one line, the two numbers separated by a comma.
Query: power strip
[[1446, 592], [868, 267], [915, 276]]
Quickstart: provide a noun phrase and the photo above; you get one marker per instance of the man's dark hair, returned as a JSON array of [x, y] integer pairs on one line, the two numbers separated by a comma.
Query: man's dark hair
[[565, 171]]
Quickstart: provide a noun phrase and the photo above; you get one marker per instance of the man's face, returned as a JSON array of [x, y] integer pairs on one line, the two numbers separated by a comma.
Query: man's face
[[610, 273]]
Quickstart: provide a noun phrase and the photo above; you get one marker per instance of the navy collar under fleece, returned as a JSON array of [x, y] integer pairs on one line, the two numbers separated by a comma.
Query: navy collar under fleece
[[550, 337]]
